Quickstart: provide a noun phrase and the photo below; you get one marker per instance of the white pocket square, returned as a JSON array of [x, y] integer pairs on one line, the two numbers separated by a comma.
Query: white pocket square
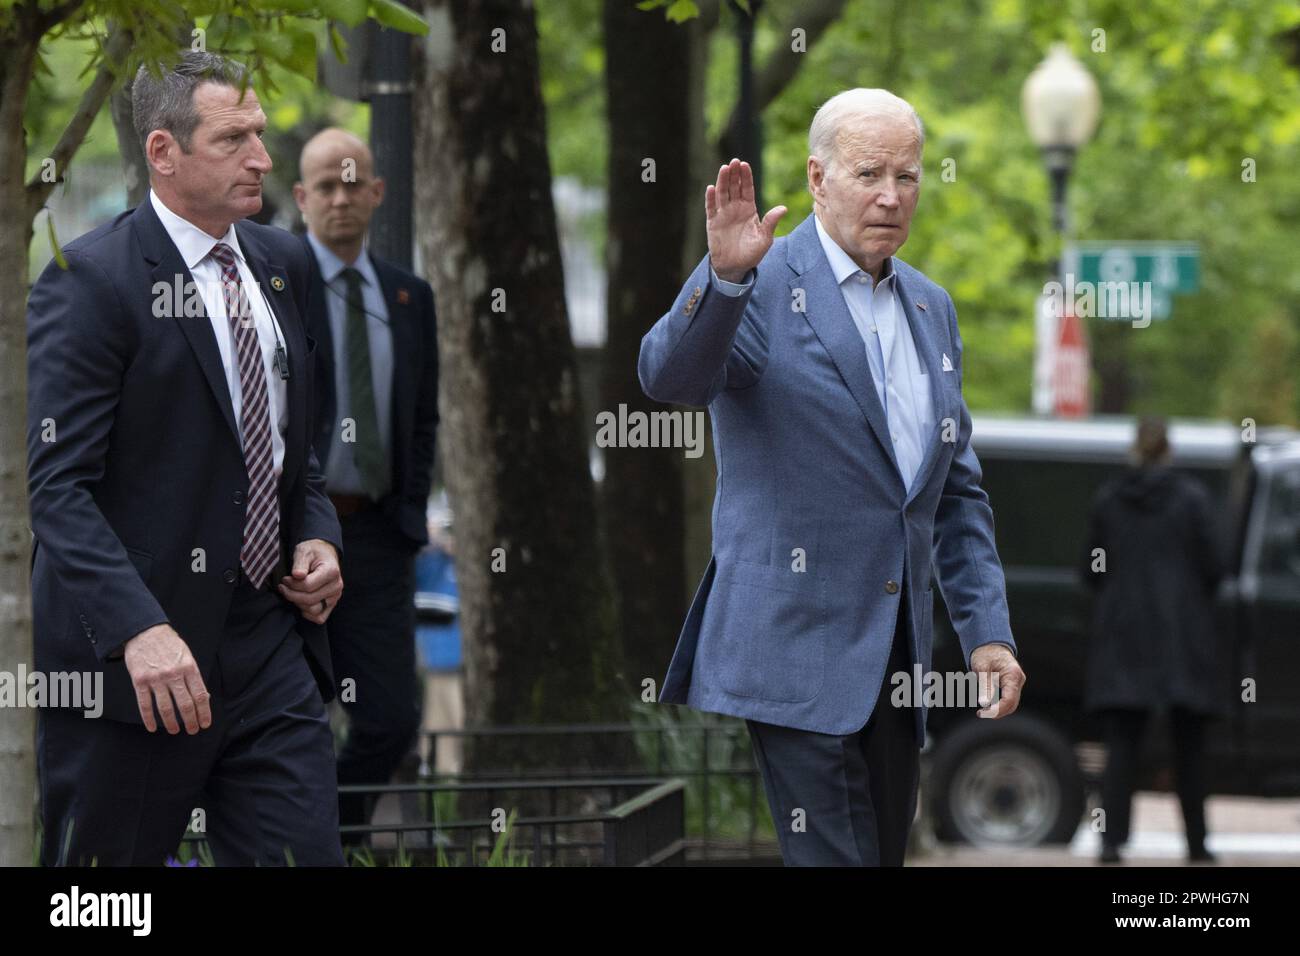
[[947, 363]]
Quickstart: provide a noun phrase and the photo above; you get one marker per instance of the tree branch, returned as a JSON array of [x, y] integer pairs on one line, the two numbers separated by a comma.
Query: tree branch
[[783, 65], [47, 20], [92, 101]]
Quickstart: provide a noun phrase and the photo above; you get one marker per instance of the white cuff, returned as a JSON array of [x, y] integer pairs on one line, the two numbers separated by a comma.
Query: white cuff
[[733, 289]]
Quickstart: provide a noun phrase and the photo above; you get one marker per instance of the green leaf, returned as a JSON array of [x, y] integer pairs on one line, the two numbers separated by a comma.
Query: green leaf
[[351, 13], [398, 17], [54, 242], [227, 33], [275, 45], [338, 44], [682, 10], [302, 59]]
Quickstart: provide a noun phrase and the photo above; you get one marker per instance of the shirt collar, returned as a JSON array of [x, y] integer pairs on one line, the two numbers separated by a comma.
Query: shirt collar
[[192, 242], [841, 264], [331, 265]]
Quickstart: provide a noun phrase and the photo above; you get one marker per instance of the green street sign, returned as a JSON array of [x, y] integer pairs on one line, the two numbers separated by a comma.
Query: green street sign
[[1170, 267]]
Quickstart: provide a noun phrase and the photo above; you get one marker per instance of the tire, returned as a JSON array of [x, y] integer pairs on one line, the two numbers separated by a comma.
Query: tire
[[1005, 783]]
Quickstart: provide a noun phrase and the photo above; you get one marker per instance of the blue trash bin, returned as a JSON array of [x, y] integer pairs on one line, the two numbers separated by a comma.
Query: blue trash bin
[[437, 611]]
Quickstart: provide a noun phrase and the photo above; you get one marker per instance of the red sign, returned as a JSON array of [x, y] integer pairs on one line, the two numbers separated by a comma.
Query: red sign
[[1070, 380]]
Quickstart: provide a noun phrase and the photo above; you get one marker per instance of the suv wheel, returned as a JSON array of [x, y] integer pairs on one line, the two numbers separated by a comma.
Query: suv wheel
[[1011, 782]]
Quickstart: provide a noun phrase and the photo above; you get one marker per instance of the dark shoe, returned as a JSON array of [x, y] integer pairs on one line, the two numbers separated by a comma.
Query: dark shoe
[[1109, 854]]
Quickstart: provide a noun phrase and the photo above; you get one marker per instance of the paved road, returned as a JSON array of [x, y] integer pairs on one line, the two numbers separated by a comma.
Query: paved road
[[1244, 831]]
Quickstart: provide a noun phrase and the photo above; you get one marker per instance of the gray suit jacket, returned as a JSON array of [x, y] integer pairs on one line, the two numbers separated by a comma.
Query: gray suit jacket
[[807, 477]]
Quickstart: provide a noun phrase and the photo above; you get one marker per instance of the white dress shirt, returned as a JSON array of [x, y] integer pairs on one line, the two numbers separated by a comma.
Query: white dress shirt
[[194, 246]]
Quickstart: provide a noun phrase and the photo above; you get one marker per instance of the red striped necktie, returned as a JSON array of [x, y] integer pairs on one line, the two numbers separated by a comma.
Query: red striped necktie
[[261, 546]]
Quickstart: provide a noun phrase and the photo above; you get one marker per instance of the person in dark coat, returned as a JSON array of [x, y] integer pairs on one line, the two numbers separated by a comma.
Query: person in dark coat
[[1153, 562]]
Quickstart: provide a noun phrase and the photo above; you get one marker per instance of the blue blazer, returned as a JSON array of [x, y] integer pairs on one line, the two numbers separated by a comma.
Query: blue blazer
[[146, 465], [807, 478]]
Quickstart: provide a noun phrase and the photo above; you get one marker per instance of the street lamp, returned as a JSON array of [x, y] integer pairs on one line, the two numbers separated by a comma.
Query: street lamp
[[1061, 105]]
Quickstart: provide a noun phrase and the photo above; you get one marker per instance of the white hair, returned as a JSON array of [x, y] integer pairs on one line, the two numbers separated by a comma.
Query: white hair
[[856, 104]]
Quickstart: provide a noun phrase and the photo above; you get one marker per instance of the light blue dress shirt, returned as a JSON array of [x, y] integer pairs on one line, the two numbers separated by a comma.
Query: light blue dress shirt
[[902, 384], [341, 475]]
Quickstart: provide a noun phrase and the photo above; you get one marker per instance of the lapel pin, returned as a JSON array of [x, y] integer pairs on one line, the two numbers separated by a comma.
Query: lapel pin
[[277, 283], [921, 306], [403, 297]]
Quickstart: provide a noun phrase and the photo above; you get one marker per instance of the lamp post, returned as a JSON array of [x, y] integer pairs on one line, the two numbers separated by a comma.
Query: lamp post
[[1061, 105]]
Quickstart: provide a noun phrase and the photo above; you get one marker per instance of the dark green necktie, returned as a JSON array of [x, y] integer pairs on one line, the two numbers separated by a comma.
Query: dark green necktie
[[368, 448]]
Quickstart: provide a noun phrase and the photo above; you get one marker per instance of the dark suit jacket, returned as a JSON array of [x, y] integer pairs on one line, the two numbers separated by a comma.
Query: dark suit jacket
[[415, 389], [134, 460]]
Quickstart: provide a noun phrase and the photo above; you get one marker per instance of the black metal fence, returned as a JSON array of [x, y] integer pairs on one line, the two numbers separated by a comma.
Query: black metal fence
[[727, 818], [689, 794], [573, 822]]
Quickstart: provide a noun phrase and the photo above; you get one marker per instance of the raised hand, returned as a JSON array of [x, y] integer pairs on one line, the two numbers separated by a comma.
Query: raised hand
[[738, 239]]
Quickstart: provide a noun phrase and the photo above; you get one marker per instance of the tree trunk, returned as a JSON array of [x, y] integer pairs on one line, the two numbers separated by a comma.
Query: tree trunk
[[20, 202], [134, 168], [1110, 359], [17, 724], [701, 474], [781, 67], [647, 82], [538, 617]]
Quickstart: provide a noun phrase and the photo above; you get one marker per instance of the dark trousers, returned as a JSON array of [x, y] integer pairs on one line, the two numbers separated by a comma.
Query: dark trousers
[[262, 774], [372, 644], [1124, 730], [845, 800]]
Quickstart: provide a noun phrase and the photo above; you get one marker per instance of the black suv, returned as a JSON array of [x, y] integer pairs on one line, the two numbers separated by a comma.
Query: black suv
[[1025, 779]]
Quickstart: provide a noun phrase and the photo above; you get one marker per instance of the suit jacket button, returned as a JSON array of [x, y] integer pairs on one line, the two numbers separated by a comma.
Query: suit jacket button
[[229, 576], [239, 497], [891, 587]]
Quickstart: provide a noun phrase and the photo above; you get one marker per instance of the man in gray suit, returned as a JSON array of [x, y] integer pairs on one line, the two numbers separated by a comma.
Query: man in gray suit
[[832, 371]]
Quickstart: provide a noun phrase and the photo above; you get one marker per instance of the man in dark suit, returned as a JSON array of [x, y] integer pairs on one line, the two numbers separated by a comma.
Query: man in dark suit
[[376, 420], [184, 545]]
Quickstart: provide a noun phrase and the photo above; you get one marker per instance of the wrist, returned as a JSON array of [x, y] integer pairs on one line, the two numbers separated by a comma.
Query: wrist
[[728, 275]]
